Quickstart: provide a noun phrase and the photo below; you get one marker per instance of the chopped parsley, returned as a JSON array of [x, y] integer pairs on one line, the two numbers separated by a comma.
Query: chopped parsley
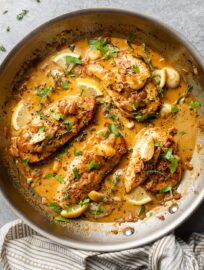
[[21, 15], [93, 165], [106, 134], [131, 38], [77, 152], [58, 177], [182, 133], [108, 51], [142, 117], [113, 129], [68, 123], [174, 108], [71, 73], [84, 201], [142, 210], [2, 48], [41, 129], [170, 157], [134, 106], [55, 115], [44, 91], [65, 84], [72, 47], [184, 96], [194, 105], [55, 206], [166, 189], [72, 59], [62, 219], [75, 173], [136, 69], [26, 161], [99, 210], [48, 176]]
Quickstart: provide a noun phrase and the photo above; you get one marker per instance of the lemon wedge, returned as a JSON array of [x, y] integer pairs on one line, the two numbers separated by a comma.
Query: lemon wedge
[[20, 116], [74, 211], [89, 87], [60, 59], [138, 196], [96, 196]]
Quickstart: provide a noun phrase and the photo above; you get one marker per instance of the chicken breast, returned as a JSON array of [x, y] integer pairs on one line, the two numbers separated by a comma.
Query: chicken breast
[[127, 80], [100, 155], [154, 161], [52, 128]]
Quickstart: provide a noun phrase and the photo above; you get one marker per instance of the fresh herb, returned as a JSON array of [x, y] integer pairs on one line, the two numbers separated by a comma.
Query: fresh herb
[[8, 29], [72, 47], [106, 134], [76, 174], [108, 51], [149, 172], [93, 165], [182, 133], [194, 105], [156, 144], [170, 157], [174, 108], [134, 106], [21, 15], [71, 73], [136, 69], [55, 206], [69, 124], [44, 91], [49, 136], [166, 189], [41, 129], [26, 161], [147, 59], [72, 59], [99, 210], [81, 92], [131, 38], [48, 176], [113, 129], [142, 210], [62, 219], [2, 48], [82, 136], [142, 117], [184, 96], [55, 115], [84, 201], [65, 84], [77, 152]]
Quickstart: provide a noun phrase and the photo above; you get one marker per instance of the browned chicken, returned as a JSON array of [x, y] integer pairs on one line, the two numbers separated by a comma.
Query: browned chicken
[[127, 80], [53, 128], [101, 154], [154, 161]]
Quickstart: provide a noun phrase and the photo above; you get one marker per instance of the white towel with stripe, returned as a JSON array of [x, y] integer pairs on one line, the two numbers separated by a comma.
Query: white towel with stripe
[[22, 248]]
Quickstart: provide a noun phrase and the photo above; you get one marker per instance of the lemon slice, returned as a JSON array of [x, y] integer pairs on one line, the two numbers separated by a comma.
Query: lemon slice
[[89, 87], [138, 196], [60, 59], [20, 116], [96, 196], [75, 211]]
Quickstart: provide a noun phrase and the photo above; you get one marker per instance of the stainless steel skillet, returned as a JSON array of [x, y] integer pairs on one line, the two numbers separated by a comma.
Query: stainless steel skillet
[[67, 28]]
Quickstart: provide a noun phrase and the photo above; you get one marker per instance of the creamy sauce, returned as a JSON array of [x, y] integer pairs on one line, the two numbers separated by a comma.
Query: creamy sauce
[[183, 120]]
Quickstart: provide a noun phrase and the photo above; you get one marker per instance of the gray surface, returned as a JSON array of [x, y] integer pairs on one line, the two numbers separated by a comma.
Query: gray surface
[[186, 16]]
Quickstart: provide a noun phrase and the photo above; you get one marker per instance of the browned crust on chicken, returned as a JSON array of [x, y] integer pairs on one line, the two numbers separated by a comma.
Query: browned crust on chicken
[[52, 128], [154, 172], [106, 153]]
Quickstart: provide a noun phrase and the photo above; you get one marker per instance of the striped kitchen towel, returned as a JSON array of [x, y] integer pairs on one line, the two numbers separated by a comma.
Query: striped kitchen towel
[[22, 248]]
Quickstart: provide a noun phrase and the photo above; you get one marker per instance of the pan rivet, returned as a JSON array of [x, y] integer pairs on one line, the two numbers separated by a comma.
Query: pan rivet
[[128, 231], [173, 208]]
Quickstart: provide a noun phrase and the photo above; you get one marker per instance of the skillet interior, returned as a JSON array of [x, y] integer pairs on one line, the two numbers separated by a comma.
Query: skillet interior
[[70, 27]]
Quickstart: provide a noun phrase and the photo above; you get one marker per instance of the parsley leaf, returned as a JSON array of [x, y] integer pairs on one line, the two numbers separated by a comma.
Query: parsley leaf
[[44, 91], [72, 47], [68, 123], [55, 206], [65, 84], [194, 105], [58, 177], [77, 153], [182, 133], [107, 50], [76, 174], [113, 129], [170, 157], [136, 69], [22, 14], [184, 96], [131, 38], [55, 115], [166, 189], [48, 176], [72, 59], [93, 165], [174, 108], [99, 210], [142, 210], [62, 219], [84, 201], [26, 161], [41, 129]]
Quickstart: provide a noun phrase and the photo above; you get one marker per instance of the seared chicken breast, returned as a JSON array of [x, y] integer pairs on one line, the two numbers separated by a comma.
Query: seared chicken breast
[[127, 80], [154, 161], [52, 128], [101, 154]]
